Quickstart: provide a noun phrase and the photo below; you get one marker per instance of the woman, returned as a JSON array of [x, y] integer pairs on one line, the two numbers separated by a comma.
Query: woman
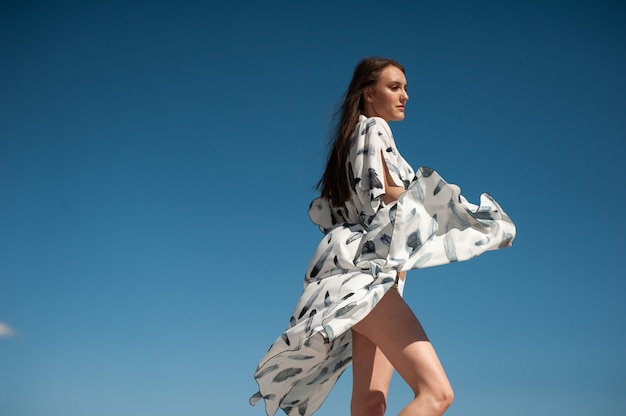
[[379, 219]]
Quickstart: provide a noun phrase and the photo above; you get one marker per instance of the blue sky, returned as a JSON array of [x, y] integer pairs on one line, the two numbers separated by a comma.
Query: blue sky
[[157, 160]]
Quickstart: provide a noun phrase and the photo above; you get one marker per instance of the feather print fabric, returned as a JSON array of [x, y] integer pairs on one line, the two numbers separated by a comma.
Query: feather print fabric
[[356, 263]]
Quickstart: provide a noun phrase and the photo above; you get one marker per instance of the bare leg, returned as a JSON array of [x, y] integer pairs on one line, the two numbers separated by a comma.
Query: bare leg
[[371, 374], [394, 328]]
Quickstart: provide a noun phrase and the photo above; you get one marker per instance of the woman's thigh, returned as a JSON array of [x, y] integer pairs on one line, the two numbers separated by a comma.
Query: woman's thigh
[[397, 332], [371, 371]]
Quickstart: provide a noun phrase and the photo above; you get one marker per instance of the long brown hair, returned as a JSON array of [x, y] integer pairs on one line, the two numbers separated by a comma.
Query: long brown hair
[[334, 184]]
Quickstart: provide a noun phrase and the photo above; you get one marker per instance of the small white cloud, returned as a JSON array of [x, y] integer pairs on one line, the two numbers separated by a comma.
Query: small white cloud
[[6, 331]]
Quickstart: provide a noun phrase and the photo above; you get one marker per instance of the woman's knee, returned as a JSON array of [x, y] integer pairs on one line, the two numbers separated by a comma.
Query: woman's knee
[[441, 399], [373, 404]]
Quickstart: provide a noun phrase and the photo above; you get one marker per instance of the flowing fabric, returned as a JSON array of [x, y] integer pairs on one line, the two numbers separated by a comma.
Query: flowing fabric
[[366, 244]]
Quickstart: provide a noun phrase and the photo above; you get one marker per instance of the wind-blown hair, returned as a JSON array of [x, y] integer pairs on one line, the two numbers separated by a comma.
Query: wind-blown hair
[[334, 184]]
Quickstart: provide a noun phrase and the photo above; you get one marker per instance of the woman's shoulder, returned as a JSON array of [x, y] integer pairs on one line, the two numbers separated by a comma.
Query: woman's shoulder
[[377, 126], [372, 121]]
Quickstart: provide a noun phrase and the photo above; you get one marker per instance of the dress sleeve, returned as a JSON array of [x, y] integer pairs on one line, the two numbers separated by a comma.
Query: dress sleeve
[[431, 224], [366, 165]]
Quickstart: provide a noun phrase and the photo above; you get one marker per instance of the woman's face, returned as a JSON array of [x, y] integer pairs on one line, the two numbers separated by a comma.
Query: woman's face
[[388, 97]]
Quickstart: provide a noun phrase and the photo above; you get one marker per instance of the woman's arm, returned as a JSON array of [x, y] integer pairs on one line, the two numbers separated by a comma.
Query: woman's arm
[[392, 192]]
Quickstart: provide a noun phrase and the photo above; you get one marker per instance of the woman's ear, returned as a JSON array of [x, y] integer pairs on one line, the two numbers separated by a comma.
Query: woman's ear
[[367, 94]]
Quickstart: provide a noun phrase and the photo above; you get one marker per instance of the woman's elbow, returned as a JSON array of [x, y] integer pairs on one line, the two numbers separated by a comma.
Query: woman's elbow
[[392, 193]]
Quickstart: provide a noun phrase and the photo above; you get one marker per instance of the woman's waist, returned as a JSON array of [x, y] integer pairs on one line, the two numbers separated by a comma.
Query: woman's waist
[[336, 251]]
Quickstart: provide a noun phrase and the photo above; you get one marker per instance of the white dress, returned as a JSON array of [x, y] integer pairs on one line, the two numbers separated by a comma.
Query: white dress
[[356, 263]]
